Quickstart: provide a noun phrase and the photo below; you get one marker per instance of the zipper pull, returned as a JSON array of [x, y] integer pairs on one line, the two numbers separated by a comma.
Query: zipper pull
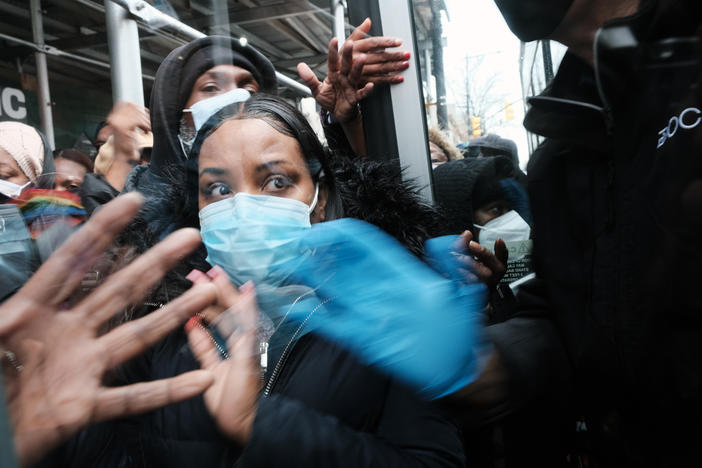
[[263, 350]]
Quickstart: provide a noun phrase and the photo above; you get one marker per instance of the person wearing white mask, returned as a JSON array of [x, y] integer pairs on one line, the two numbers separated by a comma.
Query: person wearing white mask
[[23, 159]]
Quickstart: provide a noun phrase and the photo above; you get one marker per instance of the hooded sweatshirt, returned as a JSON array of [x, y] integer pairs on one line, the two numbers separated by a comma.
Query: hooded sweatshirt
[[172, 88]]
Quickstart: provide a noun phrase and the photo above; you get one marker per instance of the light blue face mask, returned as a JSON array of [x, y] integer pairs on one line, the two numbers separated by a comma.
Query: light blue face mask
[[255, 237]]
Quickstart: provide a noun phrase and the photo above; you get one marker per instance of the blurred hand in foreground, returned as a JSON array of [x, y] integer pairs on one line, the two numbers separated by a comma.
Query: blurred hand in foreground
[[53, 358]]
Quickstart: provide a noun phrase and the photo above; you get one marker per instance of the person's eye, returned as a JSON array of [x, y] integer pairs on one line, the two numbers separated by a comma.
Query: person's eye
[[276, 183], [73, 188], [211, 88], [218, 189]]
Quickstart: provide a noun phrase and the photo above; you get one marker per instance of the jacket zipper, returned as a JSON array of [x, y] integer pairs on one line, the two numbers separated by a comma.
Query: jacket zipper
[[286, 351]]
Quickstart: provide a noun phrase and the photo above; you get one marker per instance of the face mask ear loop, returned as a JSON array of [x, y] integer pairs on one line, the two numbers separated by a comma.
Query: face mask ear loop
[[314, 200]]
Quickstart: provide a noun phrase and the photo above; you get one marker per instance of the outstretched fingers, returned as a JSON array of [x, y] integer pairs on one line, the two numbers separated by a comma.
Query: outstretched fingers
[[202, 344], [361, 31], [56, 280], [130, 284], [138, 398], [136, 336], [309, 77]]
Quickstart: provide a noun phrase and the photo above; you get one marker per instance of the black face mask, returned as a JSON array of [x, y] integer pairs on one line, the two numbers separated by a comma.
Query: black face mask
[[530, 20]]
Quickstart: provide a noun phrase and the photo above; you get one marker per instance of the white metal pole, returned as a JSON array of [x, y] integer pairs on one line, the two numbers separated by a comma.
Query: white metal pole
[[339, 21], [407, 100], [125, 55], [152, 16], [43, 92]]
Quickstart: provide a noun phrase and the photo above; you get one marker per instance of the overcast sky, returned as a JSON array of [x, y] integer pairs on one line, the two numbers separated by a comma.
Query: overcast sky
[[476, 29]]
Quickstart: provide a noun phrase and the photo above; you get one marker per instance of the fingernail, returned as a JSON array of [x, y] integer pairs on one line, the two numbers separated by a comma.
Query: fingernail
[[215, 271], [247, 287], [192, 276], [406, 55], [400, 79], [405, 64], [193, 322]]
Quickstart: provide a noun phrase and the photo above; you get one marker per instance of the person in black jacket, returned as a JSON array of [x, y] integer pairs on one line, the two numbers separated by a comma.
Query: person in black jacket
[[316, 405], [615, 192]]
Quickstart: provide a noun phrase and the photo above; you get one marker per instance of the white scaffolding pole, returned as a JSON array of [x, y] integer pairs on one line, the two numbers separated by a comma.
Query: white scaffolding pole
[[339, 10], [43, 93], [157, 19], [125, 55]]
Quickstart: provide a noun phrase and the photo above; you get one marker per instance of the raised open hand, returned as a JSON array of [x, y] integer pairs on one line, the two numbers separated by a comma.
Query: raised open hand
[[489, 267], [232, 399], [54, 360]]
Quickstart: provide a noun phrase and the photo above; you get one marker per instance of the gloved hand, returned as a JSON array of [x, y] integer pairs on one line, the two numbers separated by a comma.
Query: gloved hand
[[420, 325]]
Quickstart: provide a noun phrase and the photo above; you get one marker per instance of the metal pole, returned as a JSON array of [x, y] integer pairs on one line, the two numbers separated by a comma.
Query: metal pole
[[157, 19], [468, 90], [43, 93], [438, 53], [408, 100], [125, 55], [339, 11], [548, 60]]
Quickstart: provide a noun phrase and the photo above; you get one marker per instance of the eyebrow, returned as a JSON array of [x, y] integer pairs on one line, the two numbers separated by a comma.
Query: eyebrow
[[213, 170], [271, 164]]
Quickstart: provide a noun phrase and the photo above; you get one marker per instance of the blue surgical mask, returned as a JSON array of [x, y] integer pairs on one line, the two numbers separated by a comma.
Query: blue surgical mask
[[255, 237]]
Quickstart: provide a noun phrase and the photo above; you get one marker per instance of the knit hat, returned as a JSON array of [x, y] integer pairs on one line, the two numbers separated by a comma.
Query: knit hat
[[498, 145], [463, 186], [25, 145], [219, 50], [530, 20]]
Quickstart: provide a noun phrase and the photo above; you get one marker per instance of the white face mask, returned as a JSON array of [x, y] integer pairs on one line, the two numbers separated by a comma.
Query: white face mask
[[510, 227], [10, 189], [203, 110]]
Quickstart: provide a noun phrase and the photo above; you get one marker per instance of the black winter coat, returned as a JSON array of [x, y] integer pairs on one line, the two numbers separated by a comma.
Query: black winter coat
[[615, 192], [324, 409]]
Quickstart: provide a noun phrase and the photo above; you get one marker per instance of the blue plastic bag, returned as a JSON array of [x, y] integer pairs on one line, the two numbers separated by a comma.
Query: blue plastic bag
[[420, 324]]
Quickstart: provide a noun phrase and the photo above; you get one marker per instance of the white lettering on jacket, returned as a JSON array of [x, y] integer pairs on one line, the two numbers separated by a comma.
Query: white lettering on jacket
[[687, 120]]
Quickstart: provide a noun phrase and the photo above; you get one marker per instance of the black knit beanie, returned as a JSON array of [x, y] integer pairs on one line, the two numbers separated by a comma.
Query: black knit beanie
[[219, 50], [462, 186]]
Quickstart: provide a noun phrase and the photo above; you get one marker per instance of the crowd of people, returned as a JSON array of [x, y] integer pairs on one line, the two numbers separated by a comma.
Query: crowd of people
[[218, 287]]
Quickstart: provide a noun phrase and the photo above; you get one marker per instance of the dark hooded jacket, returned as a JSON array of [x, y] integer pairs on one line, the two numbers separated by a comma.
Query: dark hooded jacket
[[615, 192], [172, 87]]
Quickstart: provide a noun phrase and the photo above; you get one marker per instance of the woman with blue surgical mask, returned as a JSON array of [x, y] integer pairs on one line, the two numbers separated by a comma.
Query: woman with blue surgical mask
[[256, 180]]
